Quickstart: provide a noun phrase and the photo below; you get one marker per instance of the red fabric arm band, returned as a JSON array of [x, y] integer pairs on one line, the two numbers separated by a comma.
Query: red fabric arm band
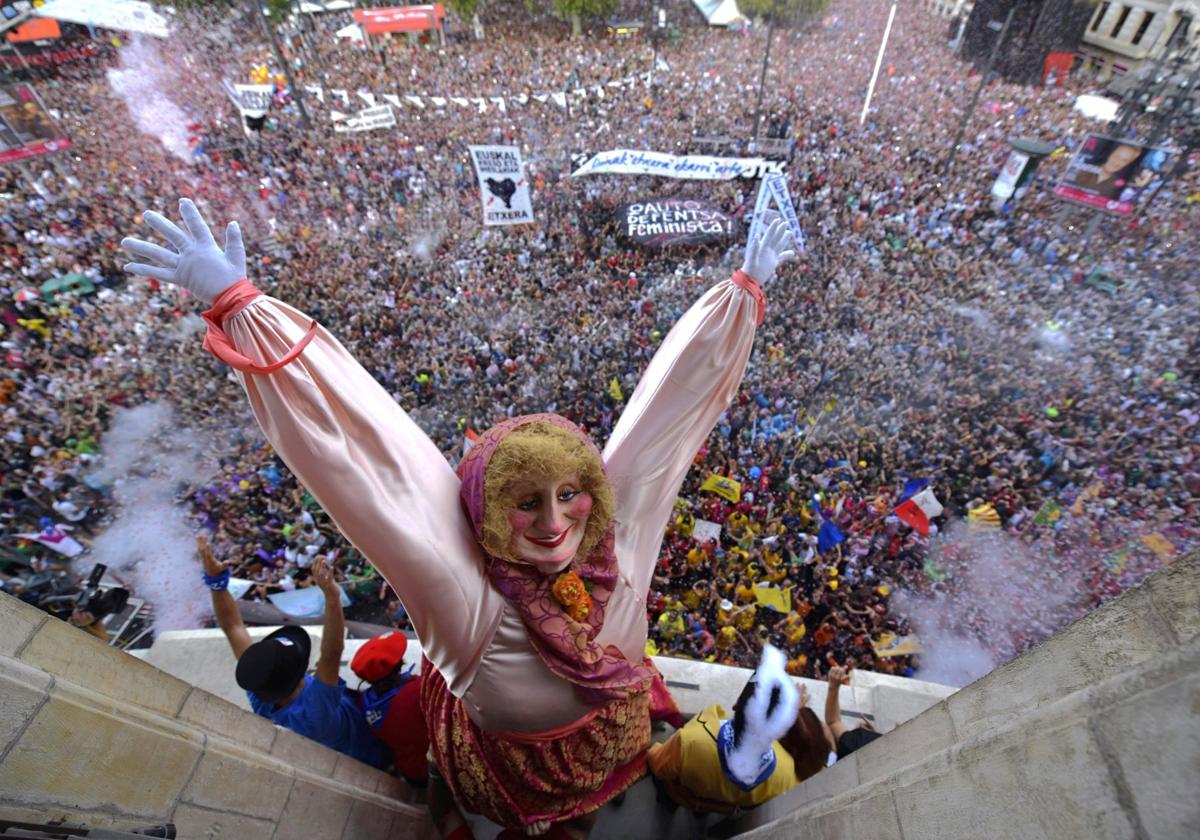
[[227, 304], [751, 285]]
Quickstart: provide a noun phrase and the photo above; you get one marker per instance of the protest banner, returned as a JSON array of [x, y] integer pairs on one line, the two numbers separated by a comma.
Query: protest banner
[[503, 189], [1110, 174], [250, 100], [774, 188], [1006, 182], [26, 129], [705, 531], [694, 167], [368, 119], [665, 222]]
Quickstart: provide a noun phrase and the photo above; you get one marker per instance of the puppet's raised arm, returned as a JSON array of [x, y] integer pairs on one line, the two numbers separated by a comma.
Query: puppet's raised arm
[[688, 384], [380, 478]]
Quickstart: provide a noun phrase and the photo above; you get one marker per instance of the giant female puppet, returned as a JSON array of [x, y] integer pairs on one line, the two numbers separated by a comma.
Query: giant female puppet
[[526, 573]]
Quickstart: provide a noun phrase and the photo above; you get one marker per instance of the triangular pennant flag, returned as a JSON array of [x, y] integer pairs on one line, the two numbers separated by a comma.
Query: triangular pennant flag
[[336, 115], [392, 99], [498, 101], [629, 81], [614, 390], [369, 98], [541, 97], [661, 64], [460, 101], [616, 83], [522, 98], [560, 99], [599, 92], [481, 104], [342, 95], [317, 91], [918, 509], [580, 93], [646, 77], [438, 101], [415, 100]]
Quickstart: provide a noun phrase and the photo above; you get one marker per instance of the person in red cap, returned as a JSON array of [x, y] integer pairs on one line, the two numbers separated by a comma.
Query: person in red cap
[[392, 703]]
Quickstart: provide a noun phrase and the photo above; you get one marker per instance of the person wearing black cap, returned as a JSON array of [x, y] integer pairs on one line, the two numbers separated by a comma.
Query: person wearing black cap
[[274, 670]]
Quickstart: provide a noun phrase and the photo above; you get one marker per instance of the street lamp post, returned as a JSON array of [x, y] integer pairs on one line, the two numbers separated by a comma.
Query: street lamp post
[[762, 79], [272, 37], [987, 72]]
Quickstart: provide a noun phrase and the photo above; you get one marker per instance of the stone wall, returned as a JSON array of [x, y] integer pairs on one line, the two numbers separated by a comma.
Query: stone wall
[[90, 735], [1092, 735]]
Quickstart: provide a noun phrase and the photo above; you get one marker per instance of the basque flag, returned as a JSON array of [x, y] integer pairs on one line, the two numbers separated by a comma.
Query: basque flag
[[918, 505]]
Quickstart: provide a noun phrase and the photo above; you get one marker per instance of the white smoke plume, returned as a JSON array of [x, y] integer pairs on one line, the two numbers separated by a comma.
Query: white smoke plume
[[140, 81], [999, 598], [145, 459]]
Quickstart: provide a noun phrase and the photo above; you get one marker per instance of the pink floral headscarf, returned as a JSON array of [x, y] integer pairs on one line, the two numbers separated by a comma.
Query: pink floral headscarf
[[567, 647]]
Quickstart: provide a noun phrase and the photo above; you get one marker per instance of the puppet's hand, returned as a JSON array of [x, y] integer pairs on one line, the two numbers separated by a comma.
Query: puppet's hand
[[773, 246], [196, 263]]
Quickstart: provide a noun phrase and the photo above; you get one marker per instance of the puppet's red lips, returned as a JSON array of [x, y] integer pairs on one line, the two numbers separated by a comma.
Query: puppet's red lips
[[552, 542]]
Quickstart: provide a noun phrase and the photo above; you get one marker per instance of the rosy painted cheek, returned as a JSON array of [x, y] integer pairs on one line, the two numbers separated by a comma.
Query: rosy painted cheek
[[581, 506], [519, 521]]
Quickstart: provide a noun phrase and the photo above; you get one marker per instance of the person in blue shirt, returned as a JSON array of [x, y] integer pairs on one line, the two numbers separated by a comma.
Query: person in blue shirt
[[273, 670]]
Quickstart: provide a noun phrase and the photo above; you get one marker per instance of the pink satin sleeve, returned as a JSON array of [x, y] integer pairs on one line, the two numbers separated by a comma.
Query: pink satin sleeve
[[686, 387], [378, 476]]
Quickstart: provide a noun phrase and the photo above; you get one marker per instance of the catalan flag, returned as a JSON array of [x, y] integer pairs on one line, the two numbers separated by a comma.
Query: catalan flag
[[984, 516]]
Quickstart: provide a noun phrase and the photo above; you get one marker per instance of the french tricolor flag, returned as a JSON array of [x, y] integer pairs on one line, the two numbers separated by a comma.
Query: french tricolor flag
[[469, 440], [918, 505]]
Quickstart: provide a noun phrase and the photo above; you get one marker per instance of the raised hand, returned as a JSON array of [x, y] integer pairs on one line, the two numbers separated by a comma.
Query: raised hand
[[196, 263], [772, 247], [212, 566]]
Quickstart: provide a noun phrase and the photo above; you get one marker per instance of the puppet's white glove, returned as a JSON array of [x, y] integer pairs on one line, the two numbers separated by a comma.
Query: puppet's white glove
[[773, 246], [196, 264]]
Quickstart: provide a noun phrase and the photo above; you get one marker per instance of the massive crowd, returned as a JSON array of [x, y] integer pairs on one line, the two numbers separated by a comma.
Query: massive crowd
[[925, 333]]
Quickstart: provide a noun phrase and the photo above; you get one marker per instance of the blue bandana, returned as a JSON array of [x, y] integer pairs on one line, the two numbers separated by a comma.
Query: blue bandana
[[766, 762]]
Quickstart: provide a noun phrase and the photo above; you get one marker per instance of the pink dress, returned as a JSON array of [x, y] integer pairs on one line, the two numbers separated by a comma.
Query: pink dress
[[393, 495]]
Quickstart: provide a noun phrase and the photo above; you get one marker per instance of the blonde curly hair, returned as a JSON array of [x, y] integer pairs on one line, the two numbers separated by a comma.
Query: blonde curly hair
[[541, 451]]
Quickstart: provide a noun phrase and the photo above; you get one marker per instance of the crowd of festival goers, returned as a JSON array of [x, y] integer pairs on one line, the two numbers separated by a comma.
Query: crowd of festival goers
[[925, 335]]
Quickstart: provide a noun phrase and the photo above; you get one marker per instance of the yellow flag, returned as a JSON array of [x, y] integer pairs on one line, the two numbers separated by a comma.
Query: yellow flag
[[726, 488], [984, 516], [774, 598], [1160, 545], [889, 644], [614, 390], [1089, 492]]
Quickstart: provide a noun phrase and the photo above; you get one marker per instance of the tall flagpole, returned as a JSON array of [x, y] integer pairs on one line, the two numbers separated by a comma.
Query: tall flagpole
[[878, 63]]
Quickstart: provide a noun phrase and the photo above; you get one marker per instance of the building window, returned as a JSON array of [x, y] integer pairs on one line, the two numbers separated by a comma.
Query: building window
[[1120, 22], [1142, 27], [1100, 15]]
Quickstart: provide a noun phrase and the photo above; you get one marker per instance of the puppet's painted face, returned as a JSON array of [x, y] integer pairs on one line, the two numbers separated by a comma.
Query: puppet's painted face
[[548, 518]]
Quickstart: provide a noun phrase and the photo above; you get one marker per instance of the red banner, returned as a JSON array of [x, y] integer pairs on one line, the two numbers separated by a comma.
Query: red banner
[[400, 19], [43, 147]]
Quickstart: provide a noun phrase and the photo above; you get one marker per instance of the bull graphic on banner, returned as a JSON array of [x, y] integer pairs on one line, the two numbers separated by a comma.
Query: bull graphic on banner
[[503, 188]]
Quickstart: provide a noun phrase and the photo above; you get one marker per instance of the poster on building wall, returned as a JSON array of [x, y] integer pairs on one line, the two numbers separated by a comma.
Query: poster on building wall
[[26, 128], [1110, 174]]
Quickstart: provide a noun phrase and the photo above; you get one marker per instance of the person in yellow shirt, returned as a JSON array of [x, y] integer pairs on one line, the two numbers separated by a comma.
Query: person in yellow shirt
[[670, 624], [720, 762]]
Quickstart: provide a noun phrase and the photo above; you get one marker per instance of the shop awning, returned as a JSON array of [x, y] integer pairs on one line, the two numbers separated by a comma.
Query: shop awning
[[401, 19]]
